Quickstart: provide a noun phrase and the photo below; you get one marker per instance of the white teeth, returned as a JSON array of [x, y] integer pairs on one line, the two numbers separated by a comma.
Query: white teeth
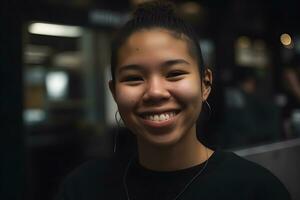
[[160, 117], [167, 117]]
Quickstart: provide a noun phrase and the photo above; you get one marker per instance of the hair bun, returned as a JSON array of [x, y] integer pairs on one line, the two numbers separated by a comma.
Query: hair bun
[[155, 9]]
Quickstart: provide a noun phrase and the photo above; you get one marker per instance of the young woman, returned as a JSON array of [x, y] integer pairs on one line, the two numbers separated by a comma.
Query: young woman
[[160, 86]]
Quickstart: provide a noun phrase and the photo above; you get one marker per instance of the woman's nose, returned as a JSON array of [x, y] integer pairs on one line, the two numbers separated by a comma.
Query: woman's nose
[[156, 91]]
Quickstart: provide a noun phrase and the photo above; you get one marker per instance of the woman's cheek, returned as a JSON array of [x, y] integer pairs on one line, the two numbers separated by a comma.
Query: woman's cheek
[[126, 98], [188, 90]]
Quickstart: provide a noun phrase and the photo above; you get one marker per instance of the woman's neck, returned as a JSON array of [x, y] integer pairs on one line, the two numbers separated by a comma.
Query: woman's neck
[[182, 155]]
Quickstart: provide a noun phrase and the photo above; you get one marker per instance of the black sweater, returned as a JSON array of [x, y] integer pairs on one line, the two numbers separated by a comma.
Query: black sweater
[[226, 176]]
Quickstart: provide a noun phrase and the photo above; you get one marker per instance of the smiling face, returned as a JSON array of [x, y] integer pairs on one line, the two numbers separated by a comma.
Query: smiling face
[[158, 87]]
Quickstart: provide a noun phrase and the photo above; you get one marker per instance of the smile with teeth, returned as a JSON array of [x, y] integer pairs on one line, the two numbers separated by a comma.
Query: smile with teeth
[[160, 117]]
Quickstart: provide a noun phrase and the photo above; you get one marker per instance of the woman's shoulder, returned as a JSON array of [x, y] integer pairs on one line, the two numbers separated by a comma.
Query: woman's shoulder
[[92, 179], [96, 169], [231, 164], [246, 174], [243, 167]]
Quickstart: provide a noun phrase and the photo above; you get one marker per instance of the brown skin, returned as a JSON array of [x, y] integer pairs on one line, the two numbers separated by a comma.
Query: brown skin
[[156, 74]]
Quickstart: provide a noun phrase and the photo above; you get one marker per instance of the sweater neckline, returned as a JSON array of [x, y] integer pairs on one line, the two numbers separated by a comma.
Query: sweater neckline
[[137, 167]]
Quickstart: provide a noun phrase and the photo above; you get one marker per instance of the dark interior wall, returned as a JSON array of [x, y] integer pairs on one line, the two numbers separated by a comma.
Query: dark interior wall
[[11, 138]]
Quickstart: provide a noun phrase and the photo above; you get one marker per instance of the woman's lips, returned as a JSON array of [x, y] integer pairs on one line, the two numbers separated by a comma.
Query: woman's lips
[[159, 120], [159, 117]]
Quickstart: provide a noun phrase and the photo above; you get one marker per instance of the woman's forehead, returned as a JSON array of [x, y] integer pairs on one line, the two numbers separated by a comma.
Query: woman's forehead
[[151, 37], [147, 43]]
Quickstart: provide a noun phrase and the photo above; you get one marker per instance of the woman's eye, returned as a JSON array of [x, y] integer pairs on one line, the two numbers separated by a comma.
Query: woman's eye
[[132, 79], [175, 74]]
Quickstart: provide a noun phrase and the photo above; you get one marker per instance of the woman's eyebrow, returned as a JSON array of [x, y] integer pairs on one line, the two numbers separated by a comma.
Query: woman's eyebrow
[[170, 63], [135, 67]]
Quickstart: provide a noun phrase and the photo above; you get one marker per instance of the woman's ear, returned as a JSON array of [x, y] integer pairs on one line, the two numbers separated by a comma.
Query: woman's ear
[[206, 84], [111, 85]]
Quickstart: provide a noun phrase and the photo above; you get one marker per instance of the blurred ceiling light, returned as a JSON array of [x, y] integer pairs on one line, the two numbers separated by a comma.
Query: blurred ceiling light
[[243, 42], [55, 30], [56, 84], [191, 8], [285, 39]]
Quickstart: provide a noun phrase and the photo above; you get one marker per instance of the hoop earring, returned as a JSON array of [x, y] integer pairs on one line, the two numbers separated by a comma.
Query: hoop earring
[[209, 108], [118, 122]]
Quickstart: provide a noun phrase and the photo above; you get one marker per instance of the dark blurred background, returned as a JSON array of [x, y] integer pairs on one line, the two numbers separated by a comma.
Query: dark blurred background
[[56, 111]]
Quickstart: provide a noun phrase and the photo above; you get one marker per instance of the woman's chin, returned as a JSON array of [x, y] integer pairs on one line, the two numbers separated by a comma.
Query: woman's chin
[[160, 140]]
